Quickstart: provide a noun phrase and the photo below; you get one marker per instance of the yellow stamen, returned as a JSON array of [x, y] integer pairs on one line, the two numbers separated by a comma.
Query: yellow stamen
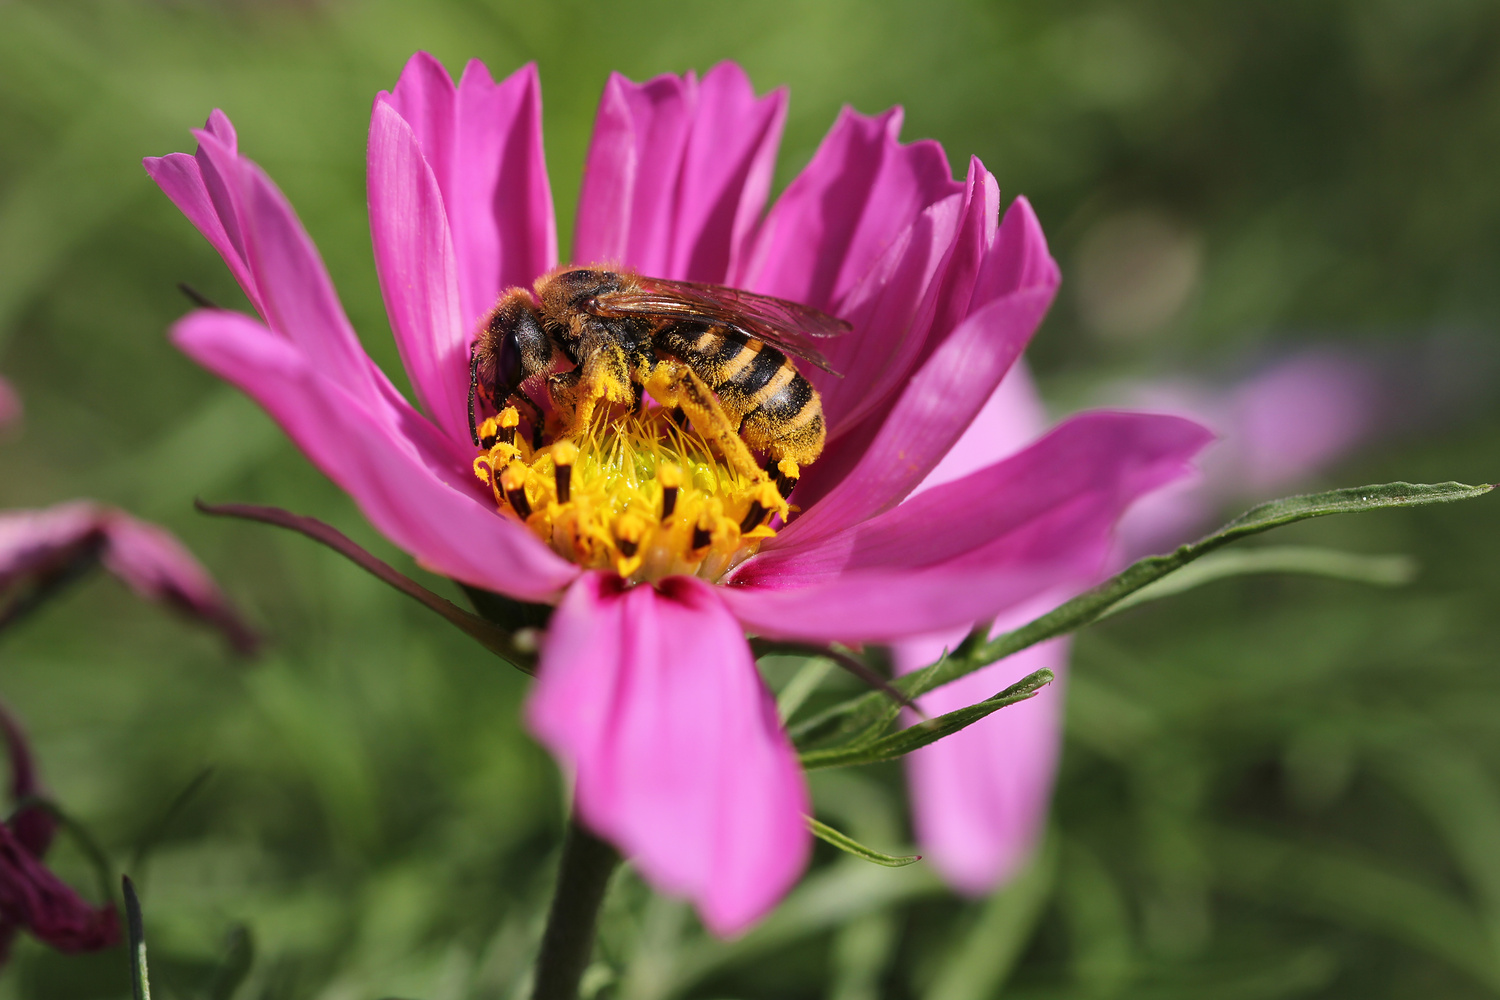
[[507, 421], [635, 494]]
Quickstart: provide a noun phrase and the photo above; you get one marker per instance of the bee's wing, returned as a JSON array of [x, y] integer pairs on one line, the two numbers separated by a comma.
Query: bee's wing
[[787, 325]]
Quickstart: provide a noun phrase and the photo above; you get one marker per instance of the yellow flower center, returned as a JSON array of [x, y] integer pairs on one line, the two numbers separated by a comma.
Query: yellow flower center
[[638, 494]]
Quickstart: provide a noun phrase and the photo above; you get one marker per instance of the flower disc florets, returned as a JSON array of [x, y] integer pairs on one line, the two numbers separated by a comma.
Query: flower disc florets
[[637, 494]]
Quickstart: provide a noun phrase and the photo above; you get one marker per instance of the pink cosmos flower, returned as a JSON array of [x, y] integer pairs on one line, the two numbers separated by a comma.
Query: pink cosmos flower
[[647, 689], [31, 897], [41, 547]]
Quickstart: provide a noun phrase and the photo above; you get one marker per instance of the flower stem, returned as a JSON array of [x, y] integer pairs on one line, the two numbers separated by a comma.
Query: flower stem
[[587, 863]]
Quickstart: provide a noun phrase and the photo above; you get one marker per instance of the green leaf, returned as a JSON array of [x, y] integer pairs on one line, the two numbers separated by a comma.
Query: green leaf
[[866, 713], [1380, 571], [928, 731], [803, 683], [849, 845], [140, 983]]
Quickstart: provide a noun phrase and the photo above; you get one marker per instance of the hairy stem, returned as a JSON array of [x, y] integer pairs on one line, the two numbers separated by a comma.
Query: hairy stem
[[587, 863]]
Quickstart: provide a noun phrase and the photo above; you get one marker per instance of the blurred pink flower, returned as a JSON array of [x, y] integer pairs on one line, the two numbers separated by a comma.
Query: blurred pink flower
[[1277, 428], [650, 694], [31, 897], [981, 797], [42, 547]]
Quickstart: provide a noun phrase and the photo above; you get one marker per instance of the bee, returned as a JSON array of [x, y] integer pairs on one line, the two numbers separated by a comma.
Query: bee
[[719, 355]]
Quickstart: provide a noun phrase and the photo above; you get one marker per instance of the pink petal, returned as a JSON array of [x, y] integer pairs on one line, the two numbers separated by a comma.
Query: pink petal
[[1012, 418], [427, 506], [250, 223], [625, 206], [1017, 282], [299, 297], [877, 357], [893, 338], [483, 143], [10, 404], [33, 540], [980, 797], [1301, 415], [966, 550], [677, 173], [38, 900], [1277, 428], [414, 257], [726, 173], [944, 396], [158, 567], [652, 697], [859, 193], [147, 558], [181, 177]]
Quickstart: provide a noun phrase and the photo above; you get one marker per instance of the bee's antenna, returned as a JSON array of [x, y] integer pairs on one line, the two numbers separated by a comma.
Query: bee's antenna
[[473, 390]]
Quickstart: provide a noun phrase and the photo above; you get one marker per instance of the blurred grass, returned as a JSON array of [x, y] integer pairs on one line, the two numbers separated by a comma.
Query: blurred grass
[[1272, 787]]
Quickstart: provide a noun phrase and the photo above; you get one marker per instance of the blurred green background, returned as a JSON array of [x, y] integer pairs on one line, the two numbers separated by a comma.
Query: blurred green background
[[1271, 787]]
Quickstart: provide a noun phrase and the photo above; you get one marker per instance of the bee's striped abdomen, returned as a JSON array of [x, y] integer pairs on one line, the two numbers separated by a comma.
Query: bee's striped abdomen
[[777, 410]]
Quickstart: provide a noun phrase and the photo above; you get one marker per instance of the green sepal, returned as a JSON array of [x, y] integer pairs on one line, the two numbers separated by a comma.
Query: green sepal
[[849, 845], [928, 731], [861, 715]]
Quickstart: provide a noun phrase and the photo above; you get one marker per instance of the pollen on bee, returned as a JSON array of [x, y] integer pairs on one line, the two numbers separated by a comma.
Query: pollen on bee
[[635, 494]]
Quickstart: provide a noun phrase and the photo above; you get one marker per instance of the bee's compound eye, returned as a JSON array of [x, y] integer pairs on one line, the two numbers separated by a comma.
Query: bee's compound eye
[[508, 365]]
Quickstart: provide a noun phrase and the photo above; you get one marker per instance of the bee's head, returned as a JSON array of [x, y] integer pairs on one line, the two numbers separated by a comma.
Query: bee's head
[[511, 347]]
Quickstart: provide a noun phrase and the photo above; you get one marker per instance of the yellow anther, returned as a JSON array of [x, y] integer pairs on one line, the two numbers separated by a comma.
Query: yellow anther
[[513, 482], [634, 494], [513, 477], [509, 418], [789, 469], [630, 531]]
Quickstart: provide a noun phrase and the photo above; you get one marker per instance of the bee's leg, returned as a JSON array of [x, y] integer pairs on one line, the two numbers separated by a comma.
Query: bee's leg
[[534, 413], [603, 376], [678, 385], [563, 387], [640, 396]]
